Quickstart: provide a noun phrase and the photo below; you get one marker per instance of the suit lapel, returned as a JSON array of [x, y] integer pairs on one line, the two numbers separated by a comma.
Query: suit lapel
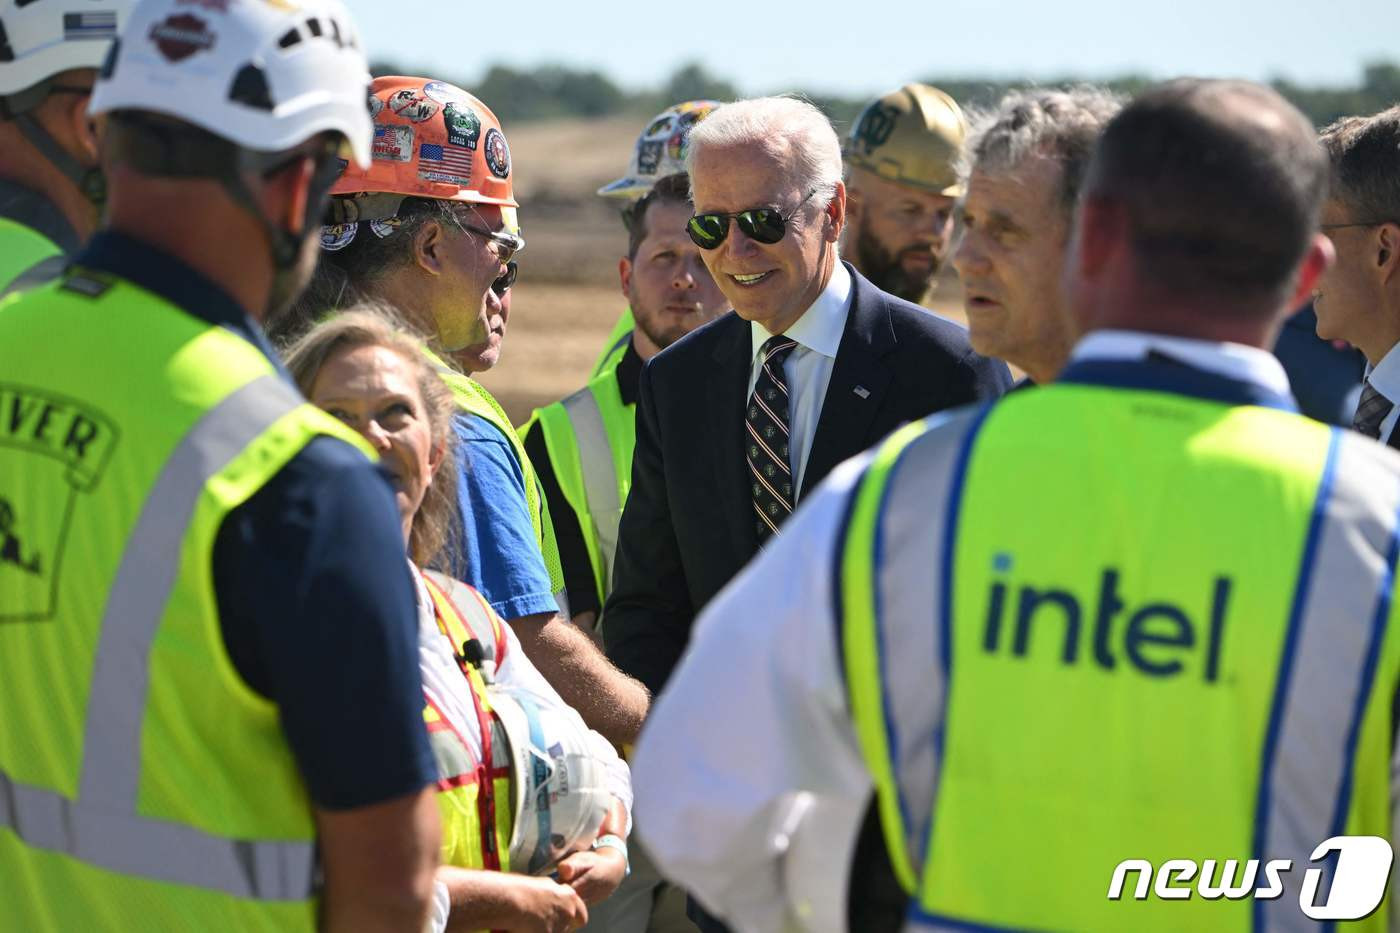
[[728, 393], [859, 381]]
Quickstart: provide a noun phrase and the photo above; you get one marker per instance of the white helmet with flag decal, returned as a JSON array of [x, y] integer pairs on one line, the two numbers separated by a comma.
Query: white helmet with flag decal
[[559, 782], [41, 40], [660, 150]]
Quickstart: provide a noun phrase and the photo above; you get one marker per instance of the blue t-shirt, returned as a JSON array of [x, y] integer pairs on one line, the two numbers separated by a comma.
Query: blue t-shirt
[[497, 551], [317, 606]]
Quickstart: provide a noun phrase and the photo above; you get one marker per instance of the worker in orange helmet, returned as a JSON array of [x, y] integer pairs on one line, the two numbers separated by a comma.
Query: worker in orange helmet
[[431, 228]]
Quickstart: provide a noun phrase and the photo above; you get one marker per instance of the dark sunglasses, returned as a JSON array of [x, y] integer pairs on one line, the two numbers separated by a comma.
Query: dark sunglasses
[[760, 224], [505, 280]]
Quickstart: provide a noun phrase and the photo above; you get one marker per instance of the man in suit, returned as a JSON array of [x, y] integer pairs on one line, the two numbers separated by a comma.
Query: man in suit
[[1359, 298], [737, 420]]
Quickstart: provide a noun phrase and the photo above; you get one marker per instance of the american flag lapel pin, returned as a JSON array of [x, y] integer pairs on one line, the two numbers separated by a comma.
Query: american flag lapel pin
[[862, 391]]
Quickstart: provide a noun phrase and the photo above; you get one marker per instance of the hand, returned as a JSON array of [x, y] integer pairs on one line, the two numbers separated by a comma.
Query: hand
[[594, 874], [546, 906]]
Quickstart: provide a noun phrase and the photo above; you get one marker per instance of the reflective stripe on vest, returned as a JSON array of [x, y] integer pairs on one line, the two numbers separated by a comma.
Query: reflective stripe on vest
[[45, 270], [616, 345], [1167, 646], [102, 826], [590, 437], [23, 248], [474, 802], [472, 397]]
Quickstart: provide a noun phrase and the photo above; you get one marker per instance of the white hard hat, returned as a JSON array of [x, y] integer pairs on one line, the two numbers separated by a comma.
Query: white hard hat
[[39, 40], [660, 150], [267, 75], [560, 784]]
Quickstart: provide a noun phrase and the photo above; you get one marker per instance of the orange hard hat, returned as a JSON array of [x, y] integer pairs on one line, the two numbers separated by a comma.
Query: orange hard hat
[[431, 140]]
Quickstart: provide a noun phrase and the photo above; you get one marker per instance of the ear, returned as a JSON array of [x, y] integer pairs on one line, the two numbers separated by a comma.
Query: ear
[[1100, 231], [1388, 251], [1316, 261], [435, 458], [836, 213], [285, 193], [624, 274], [81, 127], [429, 248]]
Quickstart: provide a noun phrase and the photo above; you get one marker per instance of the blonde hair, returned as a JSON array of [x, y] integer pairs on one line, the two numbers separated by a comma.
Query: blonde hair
[[378, 324]]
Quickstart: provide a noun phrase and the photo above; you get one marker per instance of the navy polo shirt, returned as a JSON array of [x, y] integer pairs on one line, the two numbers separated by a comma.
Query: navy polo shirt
[[316, 602]]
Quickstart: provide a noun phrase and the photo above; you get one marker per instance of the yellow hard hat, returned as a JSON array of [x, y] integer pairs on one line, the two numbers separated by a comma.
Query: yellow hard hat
[[911, 137]]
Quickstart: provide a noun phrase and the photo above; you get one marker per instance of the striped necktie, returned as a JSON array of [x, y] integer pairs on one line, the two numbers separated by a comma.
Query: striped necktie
[[766, 422], [1371, 411]]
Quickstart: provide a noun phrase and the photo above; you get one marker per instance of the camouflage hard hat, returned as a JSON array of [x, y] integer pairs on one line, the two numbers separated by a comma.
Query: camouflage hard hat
[[911, 137]]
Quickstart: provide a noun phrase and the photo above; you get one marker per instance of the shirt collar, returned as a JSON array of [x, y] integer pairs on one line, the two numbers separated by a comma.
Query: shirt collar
[[160, 273], [820, 327], [629, 374], [1233, 361], [1386, 375]]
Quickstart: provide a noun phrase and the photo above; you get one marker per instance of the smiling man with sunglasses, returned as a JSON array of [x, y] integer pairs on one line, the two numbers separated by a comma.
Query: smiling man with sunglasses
[[814, 365]]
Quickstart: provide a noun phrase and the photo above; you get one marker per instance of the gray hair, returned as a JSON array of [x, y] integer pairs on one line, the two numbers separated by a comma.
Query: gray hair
[[1365, 160], [786, 127], [1061, 125]]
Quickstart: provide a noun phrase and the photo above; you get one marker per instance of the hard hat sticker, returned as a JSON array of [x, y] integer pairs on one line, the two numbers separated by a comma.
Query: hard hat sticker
[[875, 126], [385, 228], [649, 156], [408, 104], [95, 25], [338, 236], [393, 143], [497, 153], [444, 93], [179, 37], [463, 125], [660, 126], [451, 164], [375, 105]]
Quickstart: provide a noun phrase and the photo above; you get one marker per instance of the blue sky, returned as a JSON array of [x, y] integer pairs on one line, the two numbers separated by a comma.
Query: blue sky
[[823, 46]]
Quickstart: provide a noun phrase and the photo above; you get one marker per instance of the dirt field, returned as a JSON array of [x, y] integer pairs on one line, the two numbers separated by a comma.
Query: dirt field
[[567, 297]]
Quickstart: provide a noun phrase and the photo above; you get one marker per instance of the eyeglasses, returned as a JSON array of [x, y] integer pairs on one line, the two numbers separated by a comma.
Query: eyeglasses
[[505, 280], [1359, 223], [507, 244], [760, 224]]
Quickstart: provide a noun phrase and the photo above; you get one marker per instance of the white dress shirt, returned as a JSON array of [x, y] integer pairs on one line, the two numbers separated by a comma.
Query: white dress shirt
[[1386, 378], [750, 784], [807, 368]]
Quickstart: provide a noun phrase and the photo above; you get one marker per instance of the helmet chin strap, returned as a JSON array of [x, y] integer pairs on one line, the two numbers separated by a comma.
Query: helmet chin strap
[[89, 181]]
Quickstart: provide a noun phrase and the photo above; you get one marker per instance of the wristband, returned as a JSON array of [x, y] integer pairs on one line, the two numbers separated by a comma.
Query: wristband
[[609, 841]]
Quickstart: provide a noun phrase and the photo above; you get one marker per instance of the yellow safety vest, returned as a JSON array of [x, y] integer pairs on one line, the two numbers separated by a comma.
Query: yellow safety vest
[[473, 398], [472, 793], [1093, 624], [144, 784], [590, 437]]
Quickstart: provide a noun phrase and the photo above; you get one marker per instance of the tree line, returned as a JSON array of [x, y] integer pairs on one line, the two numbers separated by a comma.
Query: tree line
[[518, 95]]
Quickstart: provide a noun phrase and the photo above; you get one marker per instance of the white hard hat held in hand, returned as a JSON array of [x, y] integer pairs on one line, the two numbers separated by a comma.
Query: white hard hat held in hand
[[559, 786]]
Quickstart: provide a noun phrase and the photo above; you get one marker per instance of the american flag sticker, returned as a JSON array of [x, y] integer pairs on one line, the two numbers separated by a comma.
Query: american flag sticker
[[392, 143], [444, 163], [94, 25]]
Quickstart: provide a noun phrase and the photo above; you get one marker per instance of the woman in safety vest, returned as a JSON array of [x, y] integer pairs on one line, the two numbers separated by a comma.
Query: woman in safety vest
[[524, 787]]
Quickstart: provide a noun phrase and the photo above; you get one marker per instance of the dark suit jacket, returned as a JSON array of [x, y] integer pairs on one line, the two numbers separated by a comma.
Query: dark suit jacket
[[688, 525]]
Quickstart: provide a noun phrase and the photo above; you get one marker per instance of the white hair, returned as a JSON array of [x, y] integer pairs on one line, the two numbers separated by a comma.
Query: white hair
[[789, 128]]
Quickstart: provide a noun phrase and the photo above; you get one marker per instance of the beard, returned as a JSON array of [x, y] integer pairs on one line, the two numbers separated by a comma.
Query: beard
[[883, 268], [652, 325]]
